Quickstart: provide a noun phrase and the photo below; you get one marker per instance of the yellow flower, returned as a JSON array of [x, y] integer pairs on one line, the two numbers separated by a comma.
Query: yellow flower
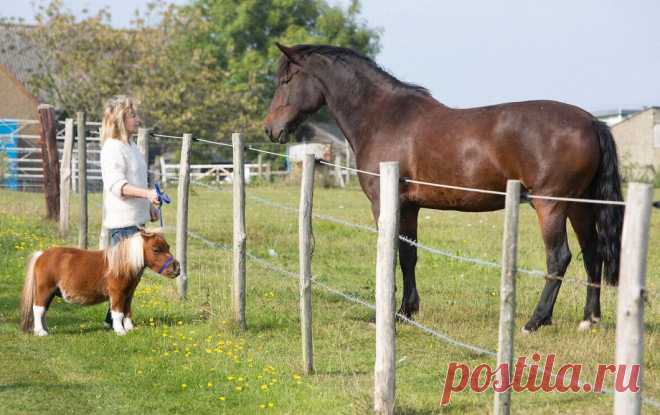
[[238, 388], [184, 386], [221, 398], [264, 387], [262, 406], [270, 404], [209, 385]]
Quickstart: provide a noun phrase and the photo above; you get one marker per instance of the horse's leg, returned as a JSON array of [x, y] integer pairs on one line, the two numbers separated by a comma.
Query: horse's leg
[[128, 322], [118, 298], [408, 259], [583, 220], [44, 292], [552, 218]]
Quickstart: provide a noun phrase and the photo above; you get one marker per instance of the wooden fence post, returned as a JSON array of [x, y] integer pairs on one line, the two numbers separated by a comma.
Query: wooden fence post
[[82, 180], [65, 176], [388, 242], [260, 164], [502, 400], [143, 146], [631, 295], [339, 174], [50, 158], [182, 215], [238, 182], [305, 255]]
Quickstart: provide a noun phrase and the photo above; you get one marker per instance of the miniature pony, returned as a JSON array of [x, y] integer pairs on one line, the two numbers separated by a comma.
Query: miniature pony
[[91, 277]]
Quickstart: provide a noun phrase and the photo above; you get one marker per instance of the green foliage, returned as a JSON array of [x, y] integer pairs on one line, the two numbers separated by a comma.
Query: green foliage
[[205, 68]]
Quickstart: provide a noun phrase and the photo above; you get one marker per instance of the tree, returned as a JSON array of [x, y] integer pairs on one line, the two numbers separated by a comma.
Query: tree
[[206, 68]]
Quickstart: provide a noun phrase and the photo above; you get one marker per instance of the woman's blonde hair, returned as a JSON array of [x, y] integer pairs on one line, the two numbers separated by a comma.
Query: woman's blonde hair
[[114, 114]]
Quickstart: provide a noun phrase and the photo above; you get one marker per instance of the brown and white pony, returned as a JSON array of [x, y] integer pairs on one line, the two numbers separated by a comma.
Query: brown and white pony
[[91, 277]]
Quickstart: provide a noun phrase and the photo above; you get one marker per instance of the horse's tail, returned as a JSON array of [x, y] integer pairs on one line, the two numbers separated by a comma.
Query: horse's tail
[[27, 299], [609, 218]]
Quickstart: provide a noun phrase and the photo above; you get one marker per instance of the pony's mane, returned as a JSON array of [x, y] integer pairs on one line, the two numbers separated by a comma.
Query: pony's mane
[[127, 257], [348, 56]]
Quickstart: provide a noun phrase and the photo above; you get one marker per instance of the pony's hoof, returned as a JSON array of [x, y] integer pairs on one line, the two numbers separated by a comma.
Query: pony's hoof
[[40, 333], [107, 325], [128, 324], [120, 332]]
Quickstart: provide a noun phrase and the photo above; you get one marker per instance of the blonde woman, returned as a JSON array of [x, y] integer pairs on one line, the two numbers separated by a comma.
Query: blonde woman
[[127, 200]]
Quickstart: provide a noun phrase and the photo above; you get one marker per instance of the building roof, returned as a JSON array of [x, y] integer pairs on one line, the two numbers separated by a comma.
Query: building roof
[[17, 57]]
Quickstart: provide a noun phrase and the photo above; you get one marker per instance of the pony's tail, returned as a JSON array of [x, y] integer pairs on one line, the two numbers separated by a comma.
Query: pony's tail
[[609, 218], [27, 299]]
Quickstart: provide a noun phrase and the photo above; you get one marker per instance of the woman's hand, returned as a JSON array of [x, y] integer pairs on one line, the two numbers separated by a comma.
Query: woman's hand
[[152, 196]]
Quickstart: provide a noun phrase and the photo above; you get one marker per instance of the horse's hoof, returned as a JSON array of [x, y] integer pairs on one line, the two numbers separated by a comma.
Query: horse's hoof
[[40, 333], [107, 325], [128, 324], [586, 325], [120, 332], [526, 332]]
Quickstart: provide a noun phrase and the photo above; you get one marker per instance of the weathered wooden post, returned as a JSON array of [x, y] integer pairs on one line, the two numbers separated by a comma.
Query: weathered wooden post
[[65, 176], [305, 256], [82, 180], [347, 150], [51, 163], [260, 166], [631, 295], [240, 236], [339, 174], [182, 215], [143, 145], [502, 400], [388, 242]]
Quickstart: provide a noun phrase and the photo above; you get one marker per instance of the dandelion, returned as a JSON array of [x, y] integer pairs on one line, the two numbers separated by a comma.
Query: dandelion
[[209, 385], [264, 387], [184, 386], [262, 406], [221, 398], [238, 388], [270, 404]]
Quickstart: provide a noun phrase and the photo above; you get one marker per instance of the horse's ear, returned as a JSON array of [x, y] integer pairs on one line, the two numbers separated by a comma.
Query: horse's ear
[[288, 52]]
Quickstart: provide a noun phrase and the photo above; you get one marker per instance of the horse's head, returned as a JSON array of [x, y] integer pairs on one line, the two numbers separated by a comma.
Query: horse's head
[[157, 254], [298, 94]]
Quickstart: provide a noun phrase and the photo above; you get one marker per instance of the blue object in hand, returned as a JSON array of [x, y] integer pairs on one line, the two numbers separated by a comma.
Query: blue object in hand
[[162, 198]]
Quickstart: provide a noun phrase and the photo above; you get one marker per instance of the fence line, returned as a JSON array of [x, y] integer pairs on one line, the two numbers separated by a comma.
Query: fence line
[[356, 300], [419, 182], [477, 261]]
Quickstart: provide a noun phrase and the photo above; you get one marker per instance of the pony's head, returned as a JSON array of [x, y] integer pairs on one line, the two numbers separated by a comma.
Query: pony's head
[[147, 248], [157, 254], [297, 95]]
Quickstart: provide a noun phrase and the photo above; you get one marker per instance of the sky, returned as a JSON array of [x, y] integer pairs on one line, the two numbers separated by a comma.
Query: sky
[[597, 54]]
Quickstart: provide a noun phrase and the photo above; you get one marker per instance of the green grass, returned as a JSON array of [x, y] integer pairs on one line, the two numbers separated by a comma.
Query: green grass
[[82, 367]]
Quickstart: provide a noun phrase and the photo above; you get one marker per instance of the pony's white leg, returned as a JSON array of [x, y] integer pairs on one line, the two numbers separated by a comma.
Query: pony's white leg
[[117, 322], [38, 312], [128, 324]]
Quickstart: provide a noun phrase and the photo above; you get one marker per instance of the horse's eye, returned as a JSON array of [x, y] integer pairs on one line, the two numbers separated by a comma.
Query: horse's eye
[[156, 249]]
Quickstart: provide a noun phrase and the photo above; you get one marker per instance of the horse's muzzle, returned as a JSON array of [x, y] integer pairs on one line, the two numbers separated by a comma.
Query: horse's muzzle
[[177, 269]]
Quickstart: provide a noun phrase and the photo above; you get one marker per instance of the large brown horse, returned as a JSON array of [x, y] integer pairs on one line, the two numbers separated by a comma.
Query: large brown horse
[[554, 149]]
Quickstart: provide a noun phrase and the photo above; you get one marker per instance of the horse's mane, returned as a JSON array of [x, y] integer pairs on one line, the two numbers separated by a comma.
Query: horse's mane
[[348, 56], [127, 257]]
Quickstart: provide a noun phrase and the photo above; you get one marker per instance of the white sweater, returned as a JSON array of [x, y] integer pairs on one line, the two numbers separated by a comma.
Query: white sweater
[[120, 164]]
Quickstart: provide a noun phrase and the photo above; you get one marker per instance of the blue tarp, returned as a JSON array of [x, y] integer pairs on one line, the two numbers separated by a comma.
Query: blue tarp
[[8, 140]]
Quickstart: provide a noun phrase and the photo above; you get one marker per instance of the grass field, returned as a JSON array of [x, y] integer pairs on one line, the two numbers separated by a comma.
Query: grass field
[[188, 357]]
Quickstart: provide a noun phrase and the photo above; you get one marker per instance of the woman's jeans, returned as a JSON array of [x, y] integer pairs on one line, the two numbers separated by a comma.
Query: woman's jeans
[[117, 235]]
